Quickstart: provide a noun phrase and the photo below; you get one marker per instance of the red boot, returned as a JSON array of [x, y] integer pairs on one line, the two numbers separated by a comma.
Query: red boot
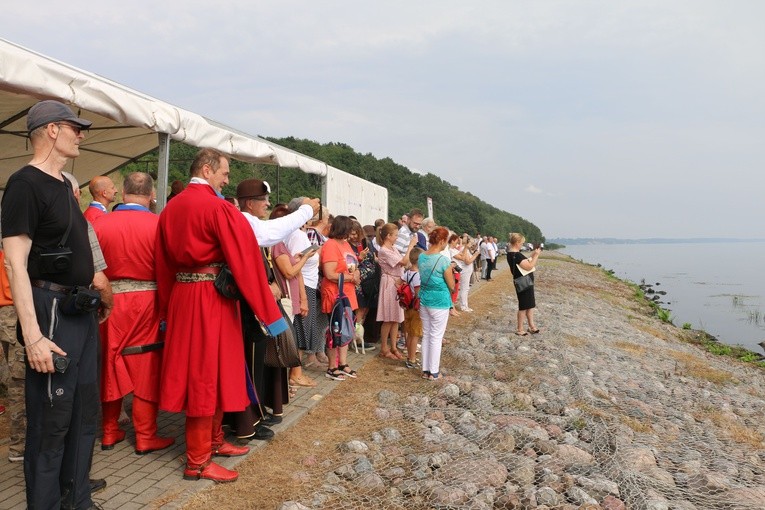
[[145, 422], [209, 471], [112, 433], [198, 452], [219, 447], [229, 450]]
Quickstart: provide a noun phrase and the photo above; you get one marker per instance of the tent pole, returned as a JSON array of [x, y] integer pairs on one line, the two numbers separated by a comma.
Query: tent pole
[[163, 164], [324, 189]]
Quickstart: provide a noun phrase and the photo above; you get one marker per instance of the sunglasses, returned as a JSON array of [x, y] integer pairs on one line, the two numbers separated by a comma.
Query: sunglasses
[[77, 129]]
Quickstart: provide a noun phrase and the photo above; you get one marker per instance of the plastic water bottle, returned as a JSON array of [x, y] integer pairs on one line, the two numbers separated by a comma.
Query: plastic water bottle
[[336, 328]]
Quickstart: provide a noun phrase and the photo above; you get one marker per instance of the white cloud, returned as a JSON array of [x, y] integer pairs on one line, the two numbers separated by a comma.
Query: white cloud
[[532, 189]]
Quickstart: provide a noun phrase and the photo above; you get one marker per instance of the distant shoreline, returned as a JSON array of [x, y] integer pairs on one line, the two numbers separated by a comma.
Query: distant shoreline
[[611, 240]]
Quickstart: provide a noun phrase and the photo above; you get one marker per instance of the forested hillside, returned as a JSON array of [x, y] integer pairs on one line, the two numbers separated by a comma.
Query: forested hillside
[[460, 211]]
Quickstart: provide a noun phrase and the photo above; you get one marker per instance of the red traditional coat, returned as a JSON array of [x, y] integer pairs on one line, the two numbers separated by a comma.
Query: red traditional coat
[[92, 213], [203, 367], [127, 238]]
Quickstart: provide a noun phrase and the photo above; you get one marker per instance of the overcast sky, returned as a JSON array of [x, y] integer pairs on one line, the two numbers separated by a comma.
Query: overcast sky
[[589, 118]]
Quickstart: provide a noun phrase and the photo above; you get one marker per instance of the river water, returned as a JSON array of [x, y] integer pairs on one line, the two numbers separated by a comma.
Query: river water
[[717, 287]]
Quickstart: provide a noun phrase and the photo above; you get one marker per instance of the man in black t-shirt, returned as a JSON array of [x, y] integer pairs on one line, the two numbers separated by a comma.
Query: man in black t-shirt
[[40, 220]]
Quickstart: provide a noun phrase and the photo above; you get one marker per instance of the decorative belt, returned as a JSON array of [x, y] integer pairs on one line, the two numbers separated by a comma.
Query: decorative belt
[[129, 285], [140, 349], [55, 287], [206, 273]]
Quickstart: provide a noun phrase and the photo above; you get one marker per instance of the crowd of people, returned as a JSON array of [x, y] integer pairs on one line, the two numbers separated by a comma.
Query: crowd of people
[[179, 309]]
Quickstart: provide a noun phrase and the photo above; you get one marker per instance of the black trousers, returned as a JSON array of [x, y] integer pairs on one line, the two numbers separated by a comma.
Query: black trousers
[[489, 268], [271, 384], [62, 411]]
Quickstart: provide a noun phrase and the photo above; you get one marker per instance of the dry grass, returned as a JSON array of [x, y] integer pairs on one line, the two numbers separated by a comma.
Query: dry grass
[[732, 428], [640, 426], [652, 329], [692, 366], [637, 350], [574, 341], [316, 436]]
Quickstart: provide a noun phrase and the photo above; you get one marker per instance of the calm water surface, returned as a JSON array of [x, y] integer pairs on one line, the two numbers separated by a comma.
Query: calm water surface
[[717, 287]]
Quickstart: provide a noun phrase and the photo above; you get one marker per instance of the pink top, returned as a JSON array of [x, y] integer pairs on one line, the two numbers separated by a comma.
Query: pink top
[[293, 286]]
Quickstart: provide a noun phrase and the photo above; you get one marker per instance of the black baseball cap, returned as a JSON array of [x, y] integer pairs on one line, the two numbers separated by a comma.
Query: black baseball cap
[[49, 111]]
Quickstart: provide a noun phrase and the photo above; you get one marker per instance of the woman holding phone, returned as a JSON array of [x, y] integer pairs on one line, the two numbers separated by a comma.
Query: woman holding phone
[[309, 328], [526, 301]]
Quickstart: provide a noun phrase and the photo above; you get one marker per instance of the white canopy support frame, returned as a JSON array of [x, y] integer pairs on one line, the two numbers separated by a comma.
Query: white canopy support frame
[[127, 124]]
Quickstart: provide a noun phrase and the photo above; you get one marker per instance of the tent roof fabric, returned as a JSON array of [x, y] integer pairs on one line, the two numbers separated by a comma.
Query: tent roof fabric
[[125, 121]]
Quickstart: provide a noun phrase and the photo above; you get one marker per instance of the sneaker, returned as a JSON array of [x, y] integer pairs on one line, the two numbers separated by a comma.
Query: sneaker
[[369, 347], [401, 344], [411, 364]]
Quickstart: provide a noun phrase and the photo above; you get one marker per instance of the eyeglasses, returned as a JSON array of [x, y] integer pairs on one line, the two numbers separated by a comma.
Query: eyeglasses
[[77, 129]]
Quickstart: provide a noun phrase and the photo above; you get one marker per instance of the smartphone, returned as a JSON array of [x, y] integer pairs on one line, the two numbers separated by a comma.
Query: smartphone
[[308, 250]]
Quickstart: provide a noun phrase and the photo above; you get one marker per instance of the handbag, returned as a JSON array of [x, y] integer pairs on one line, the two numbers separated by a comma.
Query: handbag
[[286, 303], [281, 350], [225, 284], [523, 282]]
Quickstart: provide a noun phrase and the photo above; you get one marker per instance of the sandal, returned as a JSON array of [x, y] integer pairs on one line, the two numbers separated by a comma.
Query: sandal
[[534, 331], [349, 372], [425, 374], [335, 374], [521, 333], [303, 381], [434, 377]]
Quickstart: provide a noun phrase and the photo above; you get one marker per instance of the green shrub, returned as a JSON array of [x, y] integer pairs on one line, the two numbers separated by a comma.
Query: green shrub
[[663, 314]]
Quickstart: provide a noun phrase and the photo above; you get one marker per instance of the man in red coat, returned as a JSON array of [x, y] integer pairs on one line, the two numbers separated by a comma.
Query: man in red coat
[[131, 350], [104, 192], [203, 370]]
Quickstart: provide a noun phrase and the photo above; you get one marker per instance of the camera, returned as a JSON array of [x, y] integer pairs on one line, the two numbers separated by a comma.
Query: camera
[[60, 363], [80, 300], [55, 260], [541, 246]]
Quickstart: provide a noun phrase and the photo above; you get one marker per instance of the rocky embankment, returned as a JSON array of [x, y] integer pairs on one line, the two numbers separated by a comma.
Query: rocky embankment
[[607, 408]]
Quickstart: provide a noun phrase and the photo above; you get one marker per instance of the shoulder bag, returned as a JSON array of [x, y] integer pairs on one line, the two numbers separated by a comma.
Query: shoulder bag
[[523, 282], [281, 350]]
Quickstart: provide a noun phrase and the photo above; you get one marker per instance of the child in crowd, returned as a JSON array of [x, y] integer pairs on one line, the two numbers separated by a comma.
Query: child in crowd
[[412, 322]]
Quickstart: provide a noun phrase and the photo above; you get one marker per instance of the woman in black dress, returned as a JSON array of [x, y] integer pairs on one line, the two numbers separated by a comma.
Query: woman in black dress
[[526, 302]]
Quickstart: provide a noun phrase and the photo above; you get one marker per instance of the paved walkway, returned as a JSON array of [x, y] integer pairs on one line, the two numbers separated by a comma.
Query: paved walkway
[[156, 480]]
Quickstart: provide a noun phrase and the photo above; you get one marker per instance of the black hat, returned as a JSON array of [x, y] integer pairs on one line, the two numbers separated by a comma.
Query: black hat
[[49, 111], [252, 188]]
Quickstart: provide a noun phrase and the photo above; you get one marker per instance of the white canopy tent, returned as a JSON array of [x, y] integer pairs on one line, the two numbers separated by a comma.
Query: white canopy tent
[[128, 124]]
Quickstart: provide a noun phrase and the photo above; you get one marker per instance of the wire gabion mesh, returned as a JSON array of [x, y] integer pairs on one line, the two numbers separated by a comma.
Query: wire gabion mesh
[[603, 410]]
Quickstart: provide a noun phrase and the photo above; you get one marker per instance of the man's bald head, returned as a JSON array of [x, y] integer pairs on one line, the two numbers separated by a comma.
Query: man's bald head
[[102, 189]]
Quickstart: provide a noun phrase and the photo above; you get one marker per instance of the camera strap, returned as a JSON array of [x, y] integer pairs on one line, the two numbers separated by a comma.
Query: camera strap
[[64, 239]]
